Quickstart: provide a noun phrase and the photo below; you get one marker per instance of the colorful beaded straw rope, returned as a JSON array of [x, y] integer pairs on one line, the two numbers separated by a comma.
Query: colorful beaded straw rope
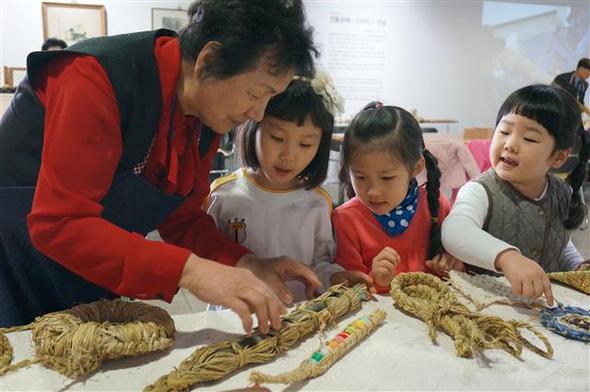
[[211, 363], [330, 352]]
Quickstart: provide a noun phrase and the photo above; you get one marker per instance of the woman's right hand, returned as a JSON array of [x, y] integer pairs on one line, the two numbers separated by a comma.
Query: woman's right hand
[[526, 277], [235, 288]]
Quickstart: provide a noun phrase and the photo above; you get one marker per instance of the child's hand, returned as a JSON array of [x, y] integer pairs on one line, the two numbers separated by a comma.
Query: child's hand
[[526, 276], [441, 264], [383, 267], [353, 277]]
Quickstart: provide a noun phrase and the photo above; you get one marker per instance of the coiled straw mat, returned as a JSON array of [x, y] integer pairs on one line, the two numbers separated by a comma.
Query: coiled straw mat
[[74, 342]]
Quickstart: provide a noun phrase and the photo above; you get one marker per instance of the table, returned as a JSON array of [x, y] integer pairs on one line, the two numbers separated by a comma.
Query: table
[[398, 356]]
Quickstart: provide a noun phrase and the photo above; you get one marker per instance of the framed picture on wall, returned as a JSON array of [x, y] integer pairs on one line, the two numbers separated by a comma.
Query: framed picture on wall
[[14, 75], [171, 19], [73, 22]]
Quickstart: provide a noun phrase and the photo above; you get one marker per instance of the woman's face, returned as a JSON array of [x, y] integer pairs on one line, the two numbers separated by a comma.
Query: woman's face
[[224, 104]]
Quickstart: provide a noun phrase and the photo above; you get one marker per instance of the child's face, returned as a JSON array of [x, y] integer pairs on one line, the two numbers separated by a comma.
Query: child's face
[[380, 182], [283, 150], [521, 153]]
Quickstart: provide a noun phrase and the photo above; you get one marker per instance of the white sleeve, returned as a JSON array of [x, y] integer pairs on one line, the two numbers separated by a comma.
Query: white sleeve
[[570, 258], [323, 256], [462, 233]]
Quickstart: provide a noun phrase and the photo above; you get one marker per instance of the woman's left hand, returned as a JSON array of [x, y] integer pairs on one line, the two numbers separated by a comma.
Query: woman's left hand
[[441, 264], [275, 271]]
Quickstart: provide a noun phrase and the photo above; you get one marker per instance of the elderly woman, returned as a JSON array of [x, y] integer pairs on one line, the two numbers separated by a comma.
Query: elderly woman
[[114, 137]]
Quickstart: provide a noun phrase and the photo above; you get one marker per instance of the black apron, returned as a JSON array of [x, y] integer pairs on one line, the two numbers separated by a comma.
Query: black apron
[[32, 284]]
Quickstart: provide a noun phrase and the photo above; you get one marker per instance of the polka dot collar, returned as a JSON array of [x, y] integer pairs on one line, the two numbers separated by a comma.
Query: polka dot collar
[[398, 220]]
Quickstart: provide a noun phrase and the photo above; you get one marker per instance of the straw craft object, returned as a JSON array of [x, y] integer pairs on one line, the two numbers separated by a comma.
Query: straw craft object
[[328, 353], [485, 290], [211, 363], [74, 342], [579, 280], [568, 321], [430, 299]]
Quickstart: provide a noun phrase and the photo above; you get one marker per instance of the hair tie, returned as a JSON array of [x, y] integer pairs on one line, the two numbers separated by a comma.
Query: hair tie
[[374, 105], [434, 220], [198, 15]]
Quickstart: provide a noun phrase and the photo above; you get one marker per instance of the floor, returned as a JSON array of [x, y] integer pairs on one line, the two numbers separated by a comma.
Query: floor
[[185, 302]]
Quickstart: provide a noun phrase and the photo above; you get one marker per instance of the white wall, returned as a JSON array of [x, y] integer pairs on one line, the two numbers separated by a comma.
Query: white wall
[[439, 56], [460, 59], [22, 27]]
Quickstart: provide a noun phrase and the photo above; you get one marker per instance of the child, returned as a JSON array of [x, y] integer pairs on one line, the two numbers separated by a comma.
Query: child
[[274, 205], [391, 224], [517, 218]]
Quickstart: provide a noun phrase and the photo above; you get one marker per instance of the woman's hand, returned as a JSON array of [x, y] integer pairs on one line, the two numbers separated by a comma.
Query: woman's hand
[[526, 277], [275, 271], [235, 288], [383, 267], [441, 264]]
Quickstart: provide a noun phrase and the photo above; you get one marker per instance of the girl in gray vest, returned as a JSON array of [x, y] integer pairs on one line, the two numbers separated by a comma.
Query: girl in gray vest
[[517, 217]]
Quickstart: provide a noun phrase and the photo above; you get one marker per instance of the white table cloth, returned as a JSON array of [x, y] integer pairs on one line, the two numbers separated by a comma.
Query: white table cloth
[[398, 356]]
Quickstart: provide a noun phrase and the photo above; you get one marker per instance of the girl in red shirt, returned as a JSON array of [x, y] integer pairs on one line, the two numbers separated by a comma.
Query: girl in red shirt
[[391, 224]]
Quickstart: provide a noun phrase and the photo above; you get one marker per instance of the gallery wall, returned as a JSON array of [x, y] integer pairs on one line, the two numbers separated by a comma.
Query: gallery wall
[[448, 60]]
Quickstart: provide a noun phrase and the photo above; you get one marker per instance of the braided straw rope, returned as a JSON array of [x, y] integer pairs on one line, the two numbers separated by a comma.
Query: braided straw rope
[[74, 342], [429, 298], [216, 361], [318, 364]]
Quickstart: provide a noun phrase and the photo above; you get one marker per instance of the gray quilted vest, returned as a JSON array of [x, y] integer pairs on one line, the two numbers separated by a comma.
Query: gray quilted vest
[[535, 227]]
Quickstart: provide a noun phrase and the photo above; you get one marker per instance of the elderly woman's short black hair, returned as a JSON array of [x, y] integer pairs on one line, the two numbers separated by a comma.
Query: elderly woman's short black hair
[[52, 42], [246, 30]]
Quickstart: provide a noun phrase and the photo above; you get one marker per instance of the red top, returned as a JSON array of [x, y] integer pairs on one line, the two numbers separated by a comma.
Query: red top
[[81, 150], [360, 237]]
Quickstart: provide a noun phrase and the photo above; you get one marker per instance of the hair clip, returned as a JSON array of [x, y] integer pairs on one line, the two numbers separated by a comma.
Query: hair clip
[[302, 78], [324, 87]]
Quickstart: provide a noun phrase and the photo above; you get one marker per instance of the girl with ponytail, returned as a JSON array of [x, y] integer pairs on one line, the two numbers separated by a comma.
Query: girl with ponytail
[[517, 218], [391, 224]]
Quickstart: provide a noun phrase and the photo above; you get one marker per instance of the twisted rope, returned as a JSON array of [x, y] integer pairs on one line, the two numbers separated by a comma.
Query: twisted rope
[[74, 342], [328, 354], [216, 361], [430, 299], [579, 280]]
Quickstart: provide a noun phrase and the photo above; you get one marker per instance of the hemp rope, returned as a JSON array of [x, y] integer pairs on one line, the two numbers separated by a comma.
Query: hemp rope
[[75, 341], [328, 353], [216, 361], [426, 296]]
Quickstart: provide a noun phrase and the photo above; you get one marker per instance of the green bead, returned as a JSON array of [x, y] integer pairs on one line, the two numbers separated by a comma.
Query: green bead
[[317, 357]]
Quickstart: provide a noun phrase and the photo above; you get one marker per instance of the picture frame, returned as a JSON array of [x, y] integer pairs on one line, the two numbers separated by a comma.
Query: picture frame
[[169, 18], [73, 22], [14, 75]]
